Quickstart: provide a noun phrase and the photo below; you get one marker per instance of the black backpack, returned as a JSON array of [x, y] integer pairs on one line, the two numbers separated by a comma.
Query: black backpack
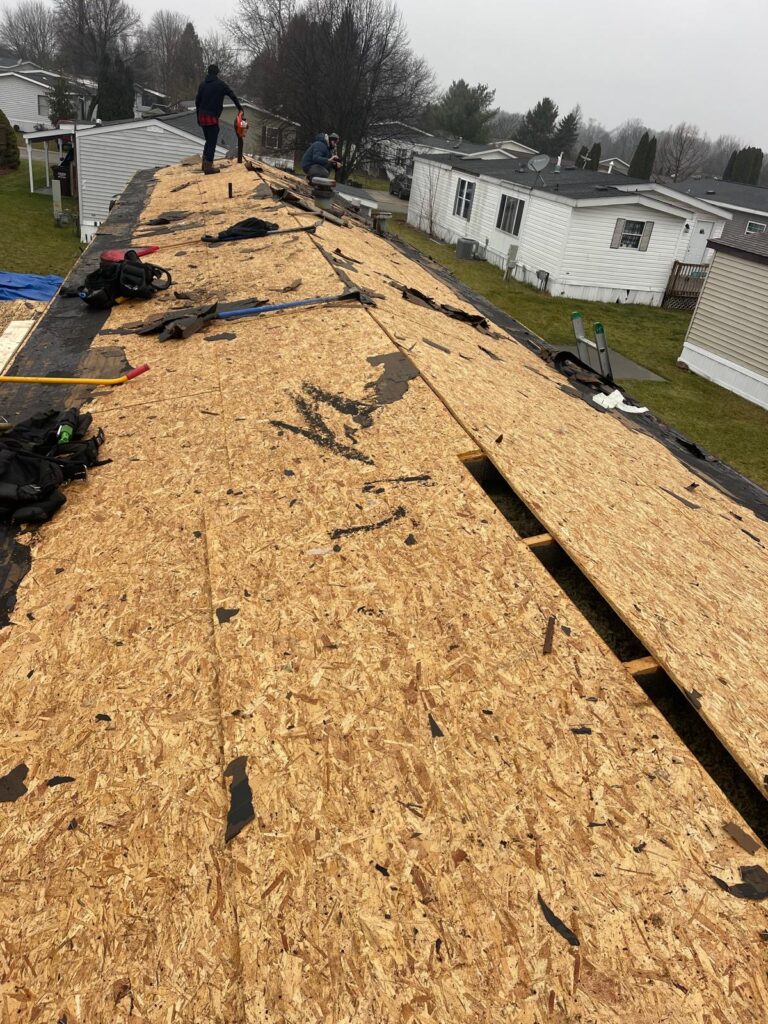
[[38, 456], [128, 278]]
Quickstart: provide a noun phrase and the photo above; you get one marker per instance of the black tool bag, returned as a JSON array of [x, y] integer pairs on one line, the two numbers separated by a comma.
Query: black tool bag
[[128, 278], [251, 227], [40, 455]]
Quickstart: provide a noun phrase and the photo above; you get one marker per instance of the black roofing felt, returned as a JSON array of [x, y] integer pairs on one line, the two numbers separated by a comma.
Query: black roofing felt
[[733, 193], [568, 181]]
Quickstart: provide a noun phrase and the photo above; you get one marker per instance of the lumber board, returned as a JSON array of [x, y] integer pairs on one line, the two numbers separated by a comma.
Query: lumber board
[[11, 340], [681, 563], [439, 808]]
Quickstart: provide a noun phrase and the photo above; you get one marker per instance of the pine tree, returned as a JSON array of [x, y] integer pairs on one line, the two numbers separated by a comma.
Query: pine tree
[[115, 85], [639, 160], [566, 134], [593, 162], [188, 67], [650, 158], [9, 145], [581, 159], [60, 101], [728, 172], [464, 111], [539, 126]]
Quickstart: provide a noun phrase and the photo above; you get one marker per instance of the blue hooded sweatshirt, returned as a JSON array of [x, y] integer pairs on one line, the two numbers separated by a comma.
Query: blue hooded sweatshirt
[[318, 153]]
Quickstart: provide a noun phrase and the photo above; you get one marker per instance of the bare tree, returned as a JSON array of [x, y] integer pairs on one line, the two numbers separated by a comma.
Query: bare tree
[[218, 50], [682, 151], [625, 138], [161, 42], [259, 25], [505, 126], [719, 151], [341, 64], [91, 30], [29, 29]]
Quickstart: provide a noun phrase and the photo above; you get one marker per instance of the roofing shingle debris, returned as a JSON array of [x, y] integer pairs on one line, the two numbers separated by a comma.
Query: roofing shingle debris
[[336, 777]]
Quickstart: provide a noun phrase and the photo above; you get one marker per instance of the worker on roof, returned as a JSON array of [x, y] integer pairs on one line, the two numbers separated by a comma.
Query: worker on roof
[[319, 159], [209, 103]]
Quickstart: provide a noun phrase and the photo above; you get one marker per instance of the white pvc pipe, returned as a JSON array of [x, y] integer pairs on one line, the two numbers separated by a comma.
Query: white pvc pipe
[[29, 162]]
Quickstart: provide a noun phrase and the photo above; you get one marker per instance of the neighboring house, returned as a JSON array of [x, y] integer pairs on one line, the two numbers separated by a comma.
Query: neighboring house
[[396, 154], [148, 101], [570, 232], [727, 340], [747, 203], [613, 165], [269, 136], [108, 155], [187, 121]]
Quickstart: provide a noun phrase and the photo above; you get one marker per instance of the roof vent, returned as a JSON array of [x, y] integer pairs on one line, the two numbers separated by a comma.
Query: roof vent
[[711, 192]]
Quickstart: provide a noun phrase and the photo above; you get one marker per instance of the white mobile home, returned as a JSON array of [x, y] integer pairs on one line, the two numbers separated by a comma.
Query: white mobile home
[[727, 340], [108, 156], [570, 232]]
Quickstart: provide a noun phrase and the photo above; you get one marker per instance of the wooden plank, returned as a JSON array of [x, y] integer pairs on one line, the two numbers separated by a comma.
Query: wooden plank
[[439, 809], [541, 540], [680, 562], [12, 339], [642, 666]]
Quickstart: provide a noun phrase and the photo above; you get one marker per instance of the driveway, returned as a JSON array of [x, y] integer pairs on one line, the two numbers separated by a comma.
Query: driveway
[[388, 203]]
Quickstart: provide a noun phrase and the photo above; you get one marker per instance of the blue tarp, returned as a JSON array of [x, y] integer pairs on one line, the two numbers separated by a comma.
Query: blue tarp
[[28, 286]]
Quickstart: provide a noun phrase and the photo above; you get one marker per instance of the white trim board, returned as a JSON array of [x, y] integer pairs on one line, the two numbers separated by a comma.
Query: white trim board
[[735, 378], [12, 339]]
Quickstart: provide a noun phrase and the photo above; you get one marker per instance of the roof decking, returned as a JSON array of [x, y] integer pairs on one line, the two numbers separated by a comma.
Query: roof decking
[[286, 583]]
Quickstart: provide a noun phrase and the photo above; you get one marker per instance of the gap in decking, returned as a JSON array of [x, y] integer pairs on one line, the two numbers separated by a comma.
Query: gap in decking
[[692, 730]]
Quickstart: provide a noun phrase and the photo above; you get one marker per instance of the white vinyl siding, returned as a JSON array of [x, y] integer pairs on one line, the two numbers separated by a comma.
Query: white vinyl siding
[[108, 159], [19, 102], [465, 194], [591, 262], [731, 318]]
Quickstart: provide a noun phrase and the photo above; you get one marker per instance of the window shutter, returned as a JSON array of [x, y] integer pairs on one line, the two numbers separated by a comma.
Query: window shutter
[[646, 236], [617, 233], [263, 135]]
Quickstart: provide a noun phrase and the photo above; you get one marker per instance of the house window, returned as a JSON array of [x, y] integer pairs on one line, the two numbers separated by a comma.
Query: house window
[[510, 215], [465, 194], [270, 136], [43, 106], [632, 234], [754, 227]]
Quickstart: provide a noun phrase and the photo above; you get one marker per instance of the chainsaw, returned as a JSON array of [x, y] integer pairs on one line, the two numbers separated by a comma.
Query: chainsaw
[[241, 127]]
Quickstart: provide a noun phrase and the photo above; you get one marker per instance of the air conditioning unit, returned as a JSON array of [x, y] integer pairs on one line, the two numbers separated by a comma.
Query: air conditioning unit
[[466, 248]]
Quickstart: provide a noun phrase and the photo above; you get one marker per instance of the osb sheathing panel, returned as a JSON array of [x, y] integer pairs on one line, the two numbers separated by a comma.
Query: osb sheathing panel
[[689, 581], [390, 874]]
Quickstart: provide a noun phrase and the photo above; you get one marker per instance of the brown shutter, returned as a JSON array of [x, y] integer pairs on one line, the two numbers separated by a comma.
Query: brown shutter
[[264, 135], [646, 236], [618, 231]]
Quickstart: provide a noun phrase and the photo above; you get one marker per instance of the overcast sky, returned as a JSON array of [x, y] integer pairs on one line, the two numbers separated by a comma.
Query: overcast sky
[[663, 61]]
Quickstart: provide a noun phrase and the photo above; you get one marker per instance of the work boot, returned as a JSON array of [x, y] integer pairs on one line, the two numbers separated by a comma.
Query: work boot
[[208, 167]]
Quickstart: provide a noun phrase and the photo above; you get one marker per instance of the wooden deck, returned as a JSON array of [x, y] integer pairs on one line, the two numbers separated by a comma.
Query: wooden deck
[[287, 610]]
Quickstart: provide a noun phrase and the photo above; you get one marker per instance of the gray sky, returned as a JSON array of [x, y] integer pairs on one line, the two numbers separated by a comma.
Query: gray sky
[[663, 61]]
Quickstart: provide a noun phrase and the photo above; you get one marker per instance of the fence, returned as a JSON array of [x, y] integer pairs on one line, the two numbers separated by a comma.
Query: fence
[[685, 283]]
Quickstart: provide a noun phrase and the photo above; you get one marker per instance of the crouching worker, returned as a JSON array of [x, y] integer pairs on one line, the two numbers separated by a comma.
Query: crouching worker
[[209, 103], [319, 160]]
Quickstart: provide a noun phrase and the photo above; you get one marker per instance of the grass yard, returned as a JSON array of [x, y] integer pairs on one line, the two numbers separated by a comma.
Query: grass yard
[[728, 426], [32, 244]]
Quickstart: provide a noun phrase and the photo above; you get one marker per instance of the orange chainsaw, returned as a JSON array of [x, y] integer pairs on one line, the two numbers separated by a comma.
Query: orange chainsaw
[[241, 127]]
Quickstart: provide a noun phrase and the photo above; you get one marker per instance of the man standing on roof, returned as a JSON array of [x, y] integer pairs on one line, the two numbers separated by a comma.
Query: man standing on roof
[[209, 103], [319, 160]]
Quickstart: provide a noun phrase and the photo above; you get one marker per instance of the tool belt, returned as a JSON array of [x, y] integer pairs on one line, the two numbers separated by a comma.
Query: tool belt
[[128, 278]]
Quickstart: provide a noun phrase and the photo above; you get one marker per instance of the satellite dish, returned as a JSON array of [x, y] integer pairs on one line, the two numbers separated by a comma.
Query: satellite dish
[[538, 163]]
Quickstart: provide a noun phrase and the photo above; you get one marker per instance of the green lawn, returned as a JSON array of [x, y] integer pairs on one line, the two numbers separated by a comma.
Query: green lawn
[[32, 244], [728, 426]]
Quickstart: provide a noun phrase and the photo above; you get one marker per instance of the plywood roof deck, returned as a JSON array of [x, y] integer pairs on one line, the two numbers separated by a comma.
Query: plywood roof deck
[[442, 811]]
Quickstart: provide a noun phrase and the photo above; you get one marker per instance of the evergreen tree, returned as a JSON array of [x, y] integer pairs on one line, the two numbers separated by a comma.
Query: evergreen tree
[[745, 166], [539, 125], [464, 111], [188, 70], [581, 159], [115, 90], [9, 145], [595, 154], [60, 102], [757, 166], [640, 158], [651, 158], [728, 172], [566, 134]]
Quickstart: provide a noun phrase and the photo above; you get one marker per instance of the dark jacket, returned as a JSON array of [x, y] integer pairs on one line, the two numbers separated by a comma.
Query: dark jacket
[[318, 153], [210, 96]]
